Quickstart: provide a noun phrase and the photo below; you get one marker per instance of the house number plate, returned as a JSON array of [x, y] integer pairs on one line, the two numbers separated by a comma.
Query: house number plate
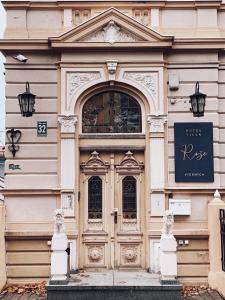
[[42, 128]]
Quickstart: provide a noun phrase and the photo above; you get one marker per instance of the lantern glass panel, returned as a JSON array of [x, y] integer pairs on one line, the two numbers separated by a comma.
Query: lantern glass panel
[[194, 104], [201, 104]]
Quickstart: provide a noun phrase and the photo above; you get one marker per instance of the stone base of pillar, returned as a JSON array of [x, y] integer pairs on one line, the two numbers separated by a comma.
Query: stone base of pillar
[[168, 258], [59, 258]]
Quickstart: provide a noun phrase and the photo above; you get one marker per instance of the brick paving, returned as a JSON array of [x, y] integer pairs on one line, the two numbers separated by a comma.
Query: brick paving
[[205, 295]]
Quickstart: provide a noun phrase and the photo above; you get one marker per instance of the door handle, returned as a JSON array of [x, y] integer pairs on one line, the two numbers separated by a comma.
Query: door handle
[[115, 217]]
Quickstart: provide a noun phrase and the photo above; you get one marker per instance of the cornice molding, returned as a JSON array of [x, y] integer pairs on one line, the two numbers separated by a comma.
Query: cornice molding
[[43, 44], [107, 4]]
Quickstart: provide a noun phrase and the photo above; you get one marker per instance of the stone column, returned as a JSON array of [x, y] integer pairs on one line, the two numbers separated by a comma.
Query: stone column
[[215, 243], [157, 163], [68, 162]]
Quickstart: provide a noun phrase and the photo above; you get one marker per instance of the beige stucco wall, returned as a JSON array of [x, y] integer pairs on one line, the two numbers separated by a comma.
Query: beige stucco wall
[[181, 20], [2, 246], [33, 191]]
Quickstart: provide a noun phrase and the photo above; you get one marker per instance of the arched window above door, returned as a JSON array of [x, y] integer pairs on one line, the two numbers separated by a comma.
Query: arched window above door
[[111, 112]]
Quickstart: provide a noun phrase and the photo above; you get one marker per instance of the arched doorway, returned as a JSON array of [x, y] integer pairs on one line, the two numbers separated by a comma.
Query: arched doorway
[[112, 196]]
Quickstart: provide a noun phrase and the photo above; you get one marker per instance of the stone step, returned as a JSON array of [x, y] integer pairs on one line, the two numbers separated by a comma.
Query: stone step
[[114, 285], [57, 292]]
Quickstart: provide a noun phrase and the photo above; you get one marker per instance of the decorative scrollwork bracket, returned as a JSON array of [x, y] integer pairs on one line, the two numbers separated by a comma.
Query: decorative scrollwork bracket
[[13, 137]]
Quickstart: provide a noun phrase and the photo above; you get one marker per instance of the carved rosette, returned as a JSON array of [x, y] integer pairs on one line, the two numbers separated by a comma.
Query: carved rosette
[[67, 123], [95, 254], [76, 80], [157, 123], [129, 254], [146, 79]]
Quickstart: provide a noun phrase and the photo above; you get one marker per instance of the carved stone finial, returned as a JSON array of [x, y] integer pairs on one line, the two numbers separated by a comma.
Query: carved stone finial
[[217, 195], [59, 228], [67, 123], [156, 122], [111, 66], [168, 223]]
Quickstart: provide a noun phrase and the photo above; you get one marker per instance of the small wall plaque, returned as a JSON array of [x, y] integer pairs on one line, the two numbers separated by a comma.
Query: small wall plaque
[[42, 128], [14, 167]]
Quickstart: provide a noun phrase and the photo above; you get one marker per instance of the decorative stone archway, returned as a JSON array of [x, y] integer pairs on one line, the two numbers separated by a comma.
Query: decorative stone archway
[[76, 86]]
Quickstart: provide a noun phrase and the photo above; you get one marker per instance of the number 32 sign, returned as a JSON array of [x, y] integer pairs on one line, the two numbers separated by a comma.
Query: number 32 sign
[[42, 128]]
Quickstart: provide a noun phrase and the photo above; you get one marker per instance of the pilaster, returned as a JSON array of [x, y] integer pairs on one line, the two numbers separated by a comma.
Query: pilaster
[[156, 163], [68, 163]]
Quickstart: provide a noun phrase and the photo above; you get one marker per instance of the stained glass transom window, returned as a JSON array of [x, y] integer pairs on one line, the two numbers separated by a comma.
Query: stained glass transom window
[[111, 112], [129, 197], [95, 198]]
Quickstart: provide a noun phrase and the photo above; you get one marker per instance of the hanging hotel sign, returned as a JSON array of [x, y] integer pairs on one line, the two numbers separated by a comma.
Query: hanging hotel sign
[[193, 152]]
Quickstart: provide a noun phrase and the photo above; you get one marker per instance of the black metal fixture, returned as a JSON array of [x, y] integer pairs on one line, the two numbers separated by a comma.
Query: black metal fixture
[[197, 102], [26, 102], [13, 137]]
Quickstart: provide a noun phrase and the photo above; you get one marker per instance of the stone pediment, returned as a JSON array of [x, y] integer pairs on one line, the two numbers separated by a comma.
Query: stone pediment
[[110, 28]]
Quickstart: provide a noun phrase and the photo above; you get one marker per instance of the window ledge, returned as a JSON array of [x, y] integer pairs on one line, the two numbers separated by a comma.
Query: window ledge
[[112, 136]]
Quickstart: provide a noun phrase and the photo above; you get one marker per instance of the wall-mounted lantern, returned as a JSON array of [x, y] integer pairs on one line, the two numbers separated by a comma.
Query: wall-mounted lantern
[[13, 138], [26, 102], [197, 102]]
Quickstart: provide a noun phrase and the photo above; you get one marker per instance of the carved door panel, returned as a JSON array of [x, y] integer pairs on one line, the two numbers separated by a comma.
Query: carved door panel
[[110, 211], [129, 199]]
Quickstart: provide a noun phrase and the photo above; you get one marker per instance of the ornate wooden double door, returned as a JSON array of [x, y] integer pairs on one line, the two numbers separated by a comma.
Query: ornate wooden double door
[[112, 212]]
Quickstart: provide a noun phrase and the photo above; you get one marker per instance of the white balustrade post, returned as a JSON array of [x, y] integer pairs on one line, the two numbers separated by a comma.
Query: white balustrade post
[[168, 247], [59, 254]]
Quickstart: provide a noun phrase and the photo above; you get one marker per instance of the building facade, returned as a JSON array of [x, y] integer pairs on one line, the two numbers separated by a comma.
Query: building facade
[[111, 79]]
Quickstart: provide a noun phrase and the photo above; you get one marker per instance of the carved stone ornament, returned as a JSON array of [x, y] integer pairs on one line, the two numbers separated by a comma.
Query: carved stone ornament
[[146, 79], [111, 33], [129, 254], [76, 80], [67, 123], [129, 163], [59, 228], [157, 123], [168, 220], [95, 254], [67, 204], [112, 65], [95, 165]]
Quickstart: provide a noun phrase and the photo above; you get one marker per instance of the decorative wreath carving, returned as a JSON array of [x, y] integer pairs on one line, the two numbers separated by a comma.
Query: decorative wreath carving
[[130, 254], [95, 255]]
